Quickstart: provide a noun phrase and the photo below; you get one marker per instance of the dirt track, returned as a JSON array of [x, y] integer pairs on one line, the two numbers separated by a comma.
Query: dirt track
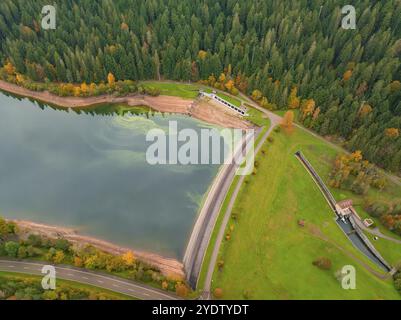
[[203, 111]]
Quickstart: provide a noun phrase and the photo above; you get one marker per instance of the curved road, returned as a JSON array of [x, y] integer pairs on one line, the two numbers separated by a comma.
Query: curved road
[[104, 281]]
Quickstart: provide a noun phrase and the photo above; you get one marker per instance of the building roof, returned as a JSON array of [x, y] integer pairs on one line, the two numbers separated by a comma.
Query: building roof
[[345, 204]]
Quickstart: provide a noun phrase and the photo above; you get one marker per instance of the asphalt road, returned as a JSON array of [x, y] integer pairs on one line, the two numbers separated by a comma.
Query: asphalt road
[[204, 226], [105, 281]]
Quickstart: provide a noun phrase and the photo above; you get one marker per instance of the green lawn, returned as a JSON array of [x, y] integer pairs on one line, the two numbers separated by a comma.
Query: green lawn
[[183, 90], [269, 256], [71, 284], [390, 251], [257, 117]]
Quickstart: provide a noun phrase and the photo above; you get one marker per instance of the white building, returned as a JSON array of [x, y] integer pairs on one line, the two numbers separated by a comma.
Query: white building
[[241, 110]]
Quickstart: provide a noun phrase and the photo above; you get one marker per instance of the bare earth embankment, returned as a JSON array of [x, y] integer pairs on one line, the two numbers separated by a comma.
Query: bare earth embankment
[[203, 111], [169, 267]]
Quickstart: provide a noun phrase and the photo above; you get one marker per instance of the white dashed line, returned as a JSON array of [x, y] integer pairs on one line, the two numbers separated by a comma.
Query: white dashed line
[[11, 266], [85, 278], [100, 281]]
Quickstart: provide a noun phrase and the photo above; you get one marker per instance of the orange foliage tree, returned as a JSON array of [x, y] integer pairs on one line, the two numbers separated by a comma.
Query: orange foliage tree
[[392, 132], [111, 79], [288, 120], [293, 100], [347, 75]]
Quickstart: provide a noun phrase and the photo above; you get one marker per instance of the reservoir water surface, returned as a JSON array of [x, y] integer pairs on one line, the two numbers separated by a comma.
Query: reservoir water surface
[[89, 172]]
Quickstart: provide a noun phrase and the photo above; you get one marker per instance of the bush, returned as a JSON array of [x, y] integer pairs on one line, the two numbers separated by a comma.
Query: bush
[[322, 263], [247, 294], [218, 293], [151, 91], [62, 244], [12, 248], [22, 252], [181, 290], [34, 240], [397, 285], [396, 209], [378, 209]]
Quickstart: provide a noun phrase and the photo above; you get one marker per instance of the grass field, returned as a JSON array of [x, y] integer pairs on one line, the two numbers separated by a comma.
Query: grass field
[[269, 256], [390, 251], [257, 117], [183, 90], [71, 284]]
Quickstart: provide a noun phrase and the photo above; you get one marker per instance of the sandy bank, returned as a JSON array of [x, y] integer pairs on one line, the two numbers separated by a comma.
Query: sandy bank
[[169, 267], [203, 111]]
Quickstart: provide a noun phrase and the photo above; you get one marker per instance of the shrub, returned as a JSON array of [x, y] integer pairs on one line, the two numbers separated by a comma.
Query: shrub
[[151, 91], [377, 209], [218, 293], [397, 285], [34, 240], [22, 252], [181, 290], [322, 263], [12, 248], [247, 294]]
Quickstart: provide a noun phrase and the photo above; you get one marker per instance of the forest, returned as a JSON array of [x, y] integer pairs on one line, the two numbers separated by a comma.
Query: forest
[[285, 54]]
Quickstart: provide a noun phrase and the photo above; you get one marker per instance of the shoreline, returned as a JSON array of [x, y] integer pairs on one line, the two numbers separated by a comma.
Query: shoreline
[[201, 110], [169, 267]]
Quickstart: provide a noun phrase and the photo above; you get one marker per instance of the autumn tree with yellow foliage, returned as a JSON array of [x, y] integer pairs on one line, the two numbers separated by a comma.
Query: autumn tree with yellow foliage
[[351, 172], [347, 75], [307, 108], [111, 80], [288, 121], [392, 132], [293, 100], [9, 68], [129, 258]]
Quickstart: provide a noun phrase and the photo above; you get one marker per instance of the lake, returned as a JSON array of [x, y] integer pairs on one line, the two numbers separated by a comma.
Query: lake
[[89, 172]]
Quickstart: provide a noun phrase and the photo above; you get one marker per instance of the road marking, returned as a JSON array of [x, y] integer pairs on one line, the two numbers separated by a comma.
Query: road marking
[[85, 278], [100, 281], [11, 266], [70, 274], [145, 294], [26, 268]]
